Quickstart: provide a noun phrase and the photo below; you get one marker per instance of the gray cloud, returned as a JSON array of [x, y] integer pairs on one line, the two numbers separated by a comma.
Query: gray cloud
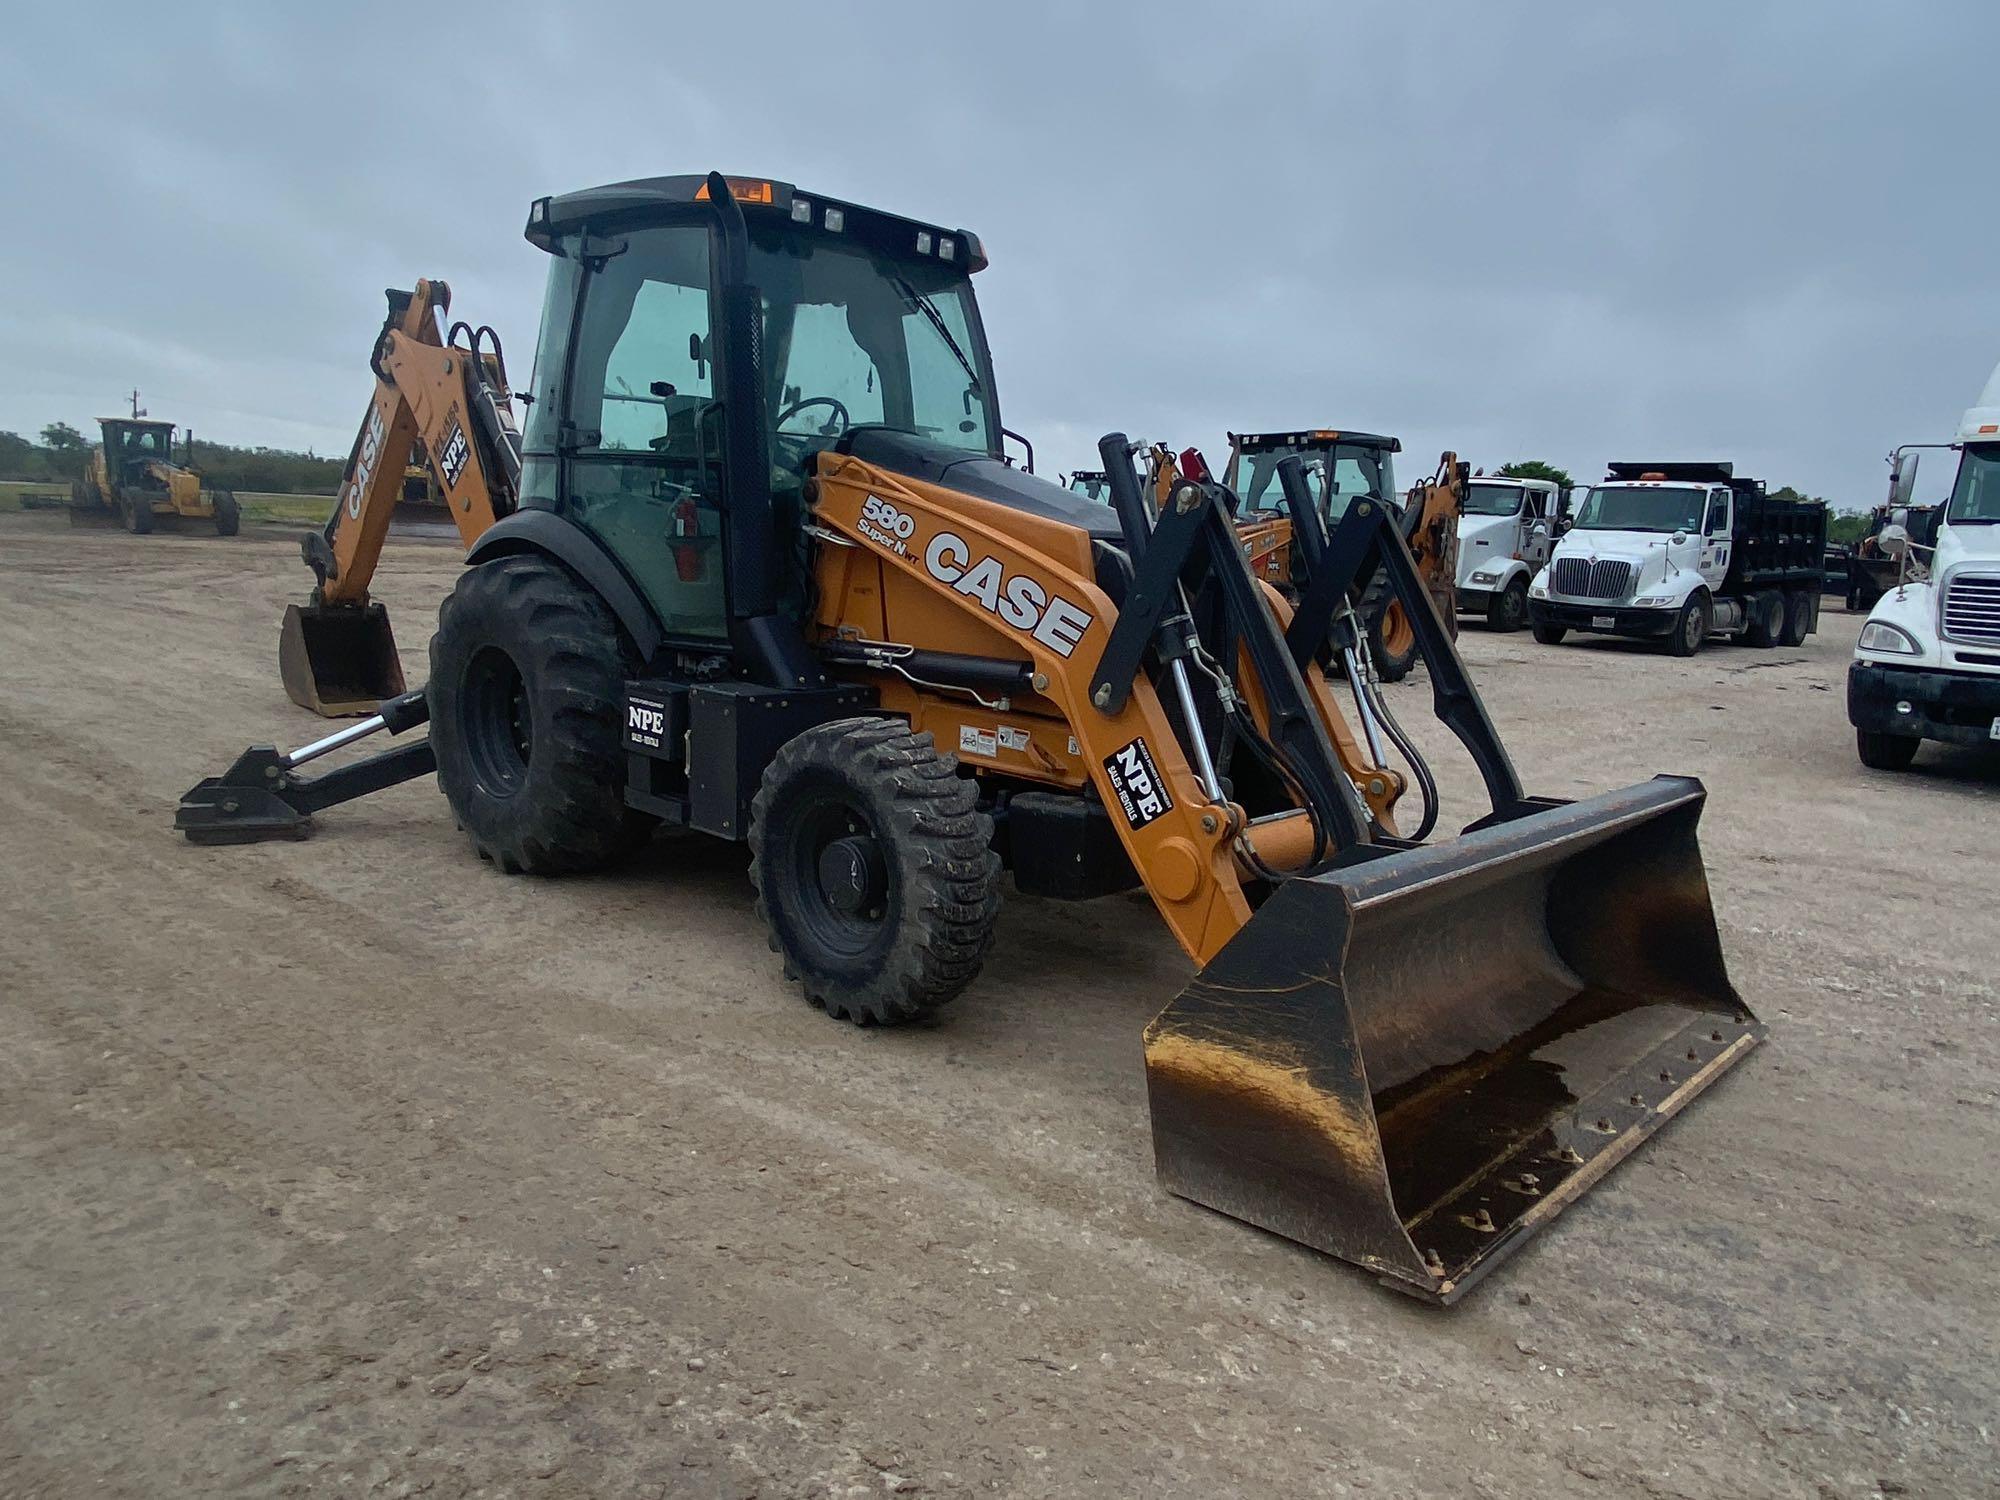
[[1758, 232]]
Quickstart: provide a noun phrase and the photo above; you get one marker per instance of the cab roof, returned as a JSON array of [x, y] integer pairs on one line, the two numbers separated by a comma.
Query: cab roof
[[761, 198], [1313, 437]]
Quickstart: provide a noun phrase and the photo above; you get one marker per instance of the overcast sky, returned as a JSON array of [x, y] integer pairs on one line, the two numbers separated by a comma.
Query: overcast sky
[[1764, 233]]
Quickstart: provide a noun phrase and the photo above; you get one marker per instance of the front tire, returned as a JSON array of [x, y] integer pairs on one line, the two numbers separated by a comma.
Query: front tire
[[1508, 609], [1690, 626], [1885, 752], [526, 693], [228, 515], [1550, 635], [138, 515], [874, 870]]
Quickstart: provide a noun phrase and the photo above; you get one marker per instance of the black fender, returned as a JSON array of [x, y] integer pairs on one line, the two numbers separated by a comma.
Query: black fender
[[553, 536]]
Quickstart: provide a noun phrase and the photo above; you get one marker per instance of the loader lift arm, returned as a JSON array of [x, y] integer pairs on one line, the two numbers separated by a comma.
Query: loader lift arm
[[336, 654]]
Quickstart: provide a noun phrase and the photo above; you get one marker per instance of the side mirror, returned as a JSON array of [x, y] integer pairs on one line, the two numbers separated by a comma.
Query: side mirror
[[1893, 540], [1902, 478], [1679, 536]]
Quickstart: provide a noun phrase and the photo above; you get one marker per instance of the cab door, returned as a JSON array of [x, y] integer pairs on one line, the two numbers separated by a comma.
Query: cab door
[[1716, 539], [639, 429]]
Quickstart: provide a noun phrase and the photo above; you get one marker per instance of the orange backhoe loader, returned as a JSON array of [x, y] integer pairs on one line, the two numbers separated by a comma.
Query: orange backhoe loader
[[758, 567], [1340, 467]]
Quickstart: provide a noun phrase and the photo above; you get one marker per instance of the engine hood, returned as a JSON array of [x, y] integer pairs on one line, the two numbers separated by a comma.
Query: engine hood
[[1963, 544], [1484, 541], [924, 458], [1639, 548]]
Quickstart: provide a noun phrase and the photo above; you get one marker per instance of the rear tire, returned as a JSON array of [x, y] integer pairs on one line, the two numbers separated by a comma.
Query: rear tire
[[1885, 752], [1508, 609], [526, 693], [1392, 642], [1550, 635], [874, 870], [1766, 622], [1690, 626], [228, 516], [1797, 619], [137, 514]]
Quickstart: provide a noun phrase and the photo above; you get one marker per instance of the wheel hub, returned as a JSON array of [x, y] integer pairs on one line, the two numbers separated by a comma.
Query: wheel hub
[[852, 874]]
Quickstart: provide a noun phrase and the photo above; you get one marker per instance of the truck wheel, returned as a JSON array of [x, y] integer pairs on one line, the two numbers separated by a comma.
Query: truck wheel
[[1885, 752], [1766, 620], [228, 515], [1690, 626], [137, 514], [1550, 635], [1508, 609], [873, 869], [527, 695], [1797, 619]]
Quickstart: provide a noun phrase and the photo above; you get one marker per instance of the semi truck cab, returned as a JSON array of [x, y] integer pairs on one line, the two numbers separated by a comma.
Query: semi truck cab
[[1505, 536], [1927, 664]]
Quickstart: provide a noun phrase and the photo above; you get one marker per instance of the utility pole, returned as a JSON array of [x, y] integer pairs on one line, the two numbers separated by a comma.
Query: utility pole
[[136, 411]]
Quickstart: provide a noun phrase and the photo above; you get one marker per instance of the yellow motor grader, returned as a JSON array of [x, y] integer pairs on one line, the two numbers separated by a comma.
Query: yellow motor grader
[[131, 477], [758, 566]]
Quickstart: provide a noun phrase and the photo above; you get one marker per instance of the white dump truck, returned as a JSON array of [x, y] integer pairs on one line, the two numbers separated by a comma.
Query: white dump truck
[[1927, 665], [1680, 552], [1505, 535]]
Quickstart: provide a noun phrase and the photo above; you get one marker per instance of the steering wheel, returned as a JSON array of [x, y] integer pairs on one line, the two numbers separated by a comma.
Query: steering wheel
[[807, 403]]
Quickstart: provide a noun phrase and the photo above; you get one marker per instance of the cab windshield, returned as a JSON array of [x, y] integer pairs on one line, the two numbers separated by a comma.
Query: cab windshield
[[1357, 471], [1663, 508], [1493, 500], [1091, 487], [855, 338], [148, 442], [1975, 497]]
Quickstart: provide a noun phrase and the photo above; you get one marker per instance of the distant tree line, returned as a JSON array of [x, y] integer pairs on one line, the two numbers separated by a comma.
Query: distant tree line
[[62, 452]]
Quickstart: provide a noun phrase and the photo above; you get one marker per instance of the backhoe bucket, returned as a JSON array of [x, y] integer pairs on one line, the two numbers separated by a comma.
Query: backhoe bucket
[[339, 660], [1417, 1061]]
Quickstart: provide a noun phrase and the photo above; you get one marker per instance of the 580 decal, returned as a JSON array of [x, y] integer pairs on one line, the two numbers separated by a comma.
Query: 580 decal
[[1018, 599], [885, 525]]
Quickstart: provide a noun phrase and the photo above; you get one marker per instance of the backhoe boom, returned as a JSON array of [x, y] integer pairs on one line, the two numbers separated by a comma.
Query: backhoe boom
[[337, 654]]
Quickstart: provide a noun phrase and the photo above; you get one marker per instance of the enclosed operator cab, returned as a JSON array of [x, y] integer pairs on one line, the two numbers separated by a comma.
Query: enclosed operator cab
[[658, 428]]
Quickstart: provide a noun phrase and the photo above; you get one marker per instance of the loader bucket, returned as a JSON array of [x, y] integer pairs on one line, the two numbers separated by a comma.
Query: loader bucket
[[339, 660], [1416, 1061]]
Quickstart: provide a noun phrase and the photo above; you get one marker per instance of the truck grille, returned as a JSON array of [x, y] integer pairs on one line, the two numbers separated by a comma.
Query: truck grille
[[1579, 578], [1972, 608]]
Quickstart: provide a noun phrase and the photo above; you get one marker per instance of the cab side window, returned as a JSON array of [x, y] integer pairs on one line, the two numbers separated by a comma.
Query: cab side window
[[1718, 513]]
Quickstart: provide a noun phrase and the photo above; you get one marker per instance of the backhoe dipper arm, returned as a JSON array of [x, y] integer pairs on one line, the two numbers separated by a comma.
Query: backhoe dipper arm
[[451, 395]]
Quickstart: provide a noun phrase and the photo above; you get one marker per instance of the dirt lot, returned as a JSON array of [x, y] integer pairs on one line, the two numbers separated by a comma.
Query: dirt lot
[[355, 1167]]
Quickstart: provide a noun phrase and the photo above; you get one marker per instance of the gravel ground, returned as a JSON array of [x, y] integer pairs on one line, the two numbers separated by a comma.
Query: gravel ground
[[354, 1167]]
